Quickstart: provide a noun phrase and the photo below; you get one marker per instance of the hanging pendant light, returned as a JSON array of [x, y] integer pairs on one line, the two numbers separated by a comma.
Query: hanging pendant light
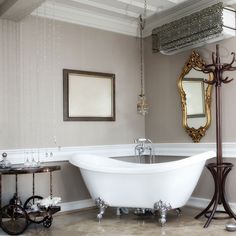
[[142, 105]]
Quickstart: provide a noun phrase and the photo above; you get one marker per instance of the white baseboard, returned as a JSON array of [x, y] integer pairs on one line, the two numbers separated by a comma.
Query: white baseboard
[[82, 204], [198, 202], [203, 202], [76, 205]]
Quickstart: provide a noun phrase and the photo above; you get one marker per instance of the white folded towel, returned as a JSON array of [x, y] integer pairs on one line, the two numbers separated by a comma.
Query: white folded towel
[[48, 201]]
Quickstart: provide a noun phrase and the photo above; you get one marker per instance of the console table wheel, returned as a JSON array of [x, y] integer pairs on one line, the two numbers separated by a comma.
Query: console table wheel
[[47, 222], [14, 219], [35, 215]]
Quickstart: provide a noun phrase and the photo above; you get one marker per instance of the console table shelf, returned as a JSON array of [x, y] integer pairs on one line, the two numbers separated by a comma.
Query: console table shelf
[[15, 217]]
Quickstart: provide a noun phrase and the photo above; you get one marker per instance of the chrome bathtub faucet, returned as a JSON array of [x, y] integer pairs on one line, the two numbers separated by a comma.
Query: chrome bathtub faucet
[[144, 147]]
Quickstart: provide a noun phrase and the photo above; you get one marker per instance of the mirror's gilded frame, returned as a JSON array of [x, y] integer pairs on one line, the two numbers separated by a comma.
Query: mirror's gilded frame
[[195, 61]]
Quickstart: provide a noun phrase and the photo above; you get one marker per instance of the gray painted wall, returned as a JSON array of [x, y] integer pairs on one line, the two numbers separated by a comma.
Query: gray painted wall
[[164, 122], [31, 66], [31, 104], [31, 63]]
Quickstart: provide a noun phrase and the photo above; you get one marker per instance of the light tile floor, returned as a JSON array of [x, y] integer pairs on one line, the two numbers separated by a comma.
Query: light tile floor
[[85, 223]]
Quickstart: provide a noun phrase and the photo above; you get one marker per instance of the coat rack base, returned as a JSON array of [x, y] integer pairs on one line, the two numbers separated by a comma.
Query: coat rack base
[[219, 173]]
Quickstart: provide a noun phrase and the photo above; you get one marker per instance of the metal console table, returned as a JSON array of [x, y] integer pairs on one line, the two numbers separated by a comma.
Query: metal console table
[[15, 217]]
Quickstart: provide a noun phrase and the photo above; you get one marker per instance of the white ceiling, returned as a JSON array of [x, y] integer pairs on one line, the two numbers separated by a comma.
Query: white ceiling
[[120, 15]]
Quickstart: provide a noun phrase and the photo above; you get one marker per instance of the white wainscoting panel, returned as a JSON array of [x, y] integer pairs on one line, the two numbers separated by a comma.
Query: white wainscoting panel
[[17, 156]]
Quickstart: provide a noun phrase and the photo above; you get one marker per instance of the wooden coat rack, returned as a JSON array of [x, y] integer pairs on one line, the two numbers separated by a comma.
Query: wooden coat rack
[[220, 169]]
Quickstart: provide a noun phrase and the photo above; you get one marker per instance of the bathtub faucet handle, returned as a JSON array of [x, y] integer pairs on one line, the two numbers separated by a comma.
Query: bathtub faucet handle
[[149, 141], [136, 140], [142, 140]]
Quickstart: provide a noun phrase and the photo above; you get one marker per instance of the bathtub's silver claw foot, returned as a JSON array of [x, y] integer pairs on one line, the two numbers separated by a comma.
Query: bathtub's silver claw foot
[[178, 211], [163, 208], [102, 207]]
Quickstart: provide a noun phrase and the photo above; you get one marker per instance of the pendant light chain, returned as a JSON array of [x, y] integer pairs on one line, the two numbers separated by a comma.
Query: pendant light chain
[[142, 105], [141, 56], [141, 27], [145, 10]]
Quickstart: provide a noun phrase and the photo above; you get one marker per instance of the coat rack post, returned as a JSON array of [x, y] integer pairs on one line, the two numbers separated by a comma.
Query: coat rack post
[[218, 107], [220, 169]]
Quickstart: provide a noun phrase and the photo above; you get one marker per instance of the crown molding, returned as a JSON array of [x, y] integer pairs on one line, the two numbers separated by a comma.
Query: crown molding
[[122, 25], [74, 15], [108, 8], [140, 4]]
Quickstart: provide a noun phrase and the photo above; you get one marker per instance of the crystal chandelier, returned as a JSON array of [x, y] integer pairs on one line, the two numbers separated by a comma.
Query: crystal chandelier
[[142, 105]]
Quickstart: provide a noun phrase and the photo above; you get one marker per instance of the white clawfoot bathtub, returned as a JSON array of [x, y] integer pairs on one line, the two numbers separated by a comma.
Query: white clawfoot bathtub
[[159, 186]]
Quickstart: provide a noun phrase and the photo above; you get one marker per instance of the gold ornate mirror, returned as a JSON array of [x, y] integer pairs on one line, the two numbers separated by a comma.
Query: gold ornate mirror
[[195, 97]]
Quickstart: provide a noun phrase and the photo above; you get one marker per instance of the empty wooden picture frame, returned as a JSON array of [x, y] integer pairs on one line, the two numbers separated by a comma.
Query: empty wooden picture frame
[[88, 96]]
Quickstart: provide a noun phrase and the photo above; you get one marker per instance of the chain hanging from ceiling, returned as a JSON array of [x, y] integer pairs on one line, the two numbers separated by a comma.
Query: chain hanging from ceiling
[[142, 105]]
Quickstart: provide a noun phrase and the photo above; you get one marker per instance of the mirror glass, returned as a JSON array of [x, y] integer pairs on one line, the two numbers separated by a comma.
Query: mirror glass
[[196, 97]]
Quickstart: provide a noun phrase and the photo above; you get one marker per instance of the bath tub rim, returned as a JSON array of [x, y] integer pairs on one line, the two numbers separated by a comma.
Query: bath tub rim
[[111, 165]]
